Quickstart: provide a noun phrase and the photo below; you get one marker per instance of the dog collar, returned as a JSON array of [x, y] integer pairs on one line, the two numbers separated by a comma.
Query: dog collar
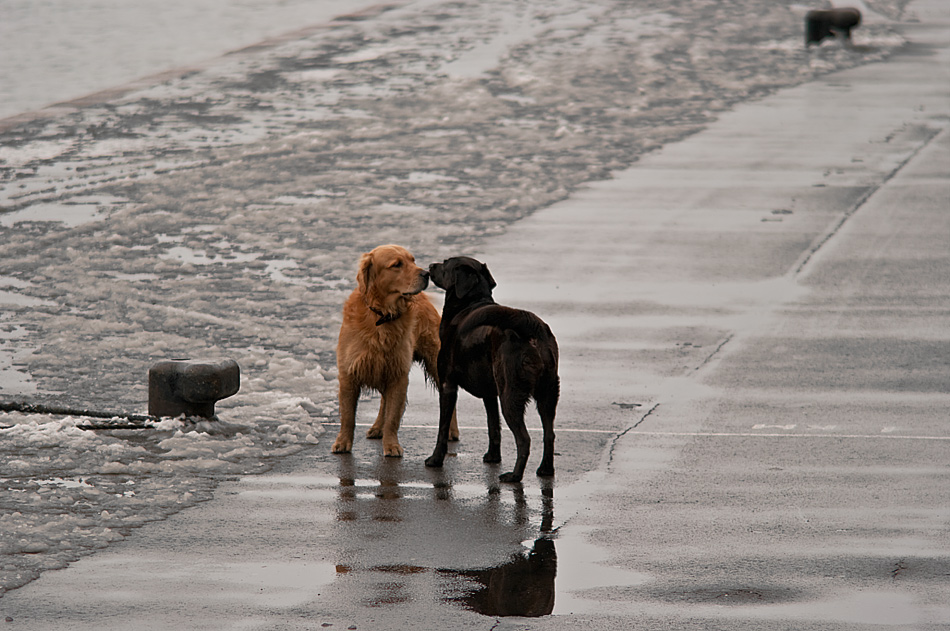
[[383, 317]]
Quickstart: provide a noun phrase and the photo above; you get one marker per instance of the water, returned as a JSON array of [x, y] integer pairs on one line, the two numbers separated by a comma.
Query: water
[[56, 50]]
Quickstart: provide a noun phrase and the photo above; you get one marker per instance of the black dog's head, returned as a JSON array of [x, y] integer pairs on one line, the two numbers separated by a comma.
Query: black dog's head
[[463, 278]]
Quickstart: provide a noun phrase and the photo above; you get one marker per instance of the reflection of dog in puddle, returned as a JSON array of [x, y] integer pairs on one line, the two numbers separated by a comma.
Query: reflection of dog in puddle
[[824, 23], [522, 587]]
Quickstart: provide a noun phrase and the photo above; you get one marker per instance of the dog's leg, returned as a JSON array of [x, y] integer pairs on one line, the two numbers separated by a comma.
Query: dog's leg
[[512, 407], [392, 409], [494, 430], [429, 364], [448, 397], [349, 395], [546, 396], [454, 427], [376, 430]]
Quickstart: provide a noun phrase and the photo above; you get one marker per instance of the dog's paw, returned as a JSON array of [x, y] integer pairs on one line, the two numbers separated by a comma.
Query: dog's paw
[[511, 476], [546, 471], [491, 457], [453, 435], [434, 461], [342, 446], [374, 432], [393, 451]]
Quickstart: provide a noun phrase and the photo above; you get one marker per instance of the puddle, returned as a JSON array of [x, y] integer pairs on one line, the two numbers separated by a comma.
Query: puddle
[[548, 575], [524, 586], [583, 567], [14, 297], [13, 379], [77, 211], [547, 578]]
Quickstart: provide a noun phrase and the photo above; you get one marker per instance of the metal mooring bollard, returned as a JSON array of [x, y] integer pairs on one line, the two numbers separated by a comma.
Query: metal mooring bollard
[[824, 23], [190, 387]]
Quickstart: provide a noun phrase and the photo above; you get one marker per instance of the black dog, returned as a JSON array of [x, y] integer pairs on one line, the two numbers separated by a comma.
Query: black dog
[[493, 351], [822, 23]]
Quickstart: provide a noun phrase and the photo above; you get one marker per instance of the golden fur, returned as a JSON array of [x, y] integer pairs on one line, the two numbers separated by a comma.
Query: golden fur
[[387, 324]]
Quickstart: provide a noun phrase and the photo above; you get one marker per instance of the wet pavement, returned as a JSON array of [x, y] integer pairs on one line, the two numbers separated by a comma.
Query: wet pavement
[[217, 212], [752, 432]]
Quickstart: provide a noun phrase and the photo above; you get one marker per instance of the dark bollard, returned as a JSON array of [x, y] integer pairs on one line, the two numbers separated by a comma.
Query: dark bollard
[[189, 387], [822, 23]]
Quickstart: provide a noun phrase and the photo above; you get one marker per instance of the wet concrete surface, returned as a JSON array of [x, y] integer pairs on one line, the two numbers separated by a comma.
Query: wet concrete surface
[[752, 433], [790, 471]]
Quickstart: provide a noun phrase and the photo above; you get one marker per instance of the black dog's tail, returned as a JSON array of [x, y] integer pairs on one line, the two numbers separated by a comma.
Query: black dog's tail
[[524, 323]]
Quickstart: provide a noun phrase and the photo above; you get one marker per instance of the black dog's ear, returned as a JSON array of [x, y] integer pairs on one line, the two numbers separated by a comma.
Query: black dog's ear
[[465, 281], [491, 281]]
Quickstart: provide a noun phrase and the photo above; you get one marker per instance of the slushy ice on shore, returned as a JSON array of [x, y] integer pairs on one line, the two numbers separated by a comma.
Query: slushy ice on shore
[[220, 214]]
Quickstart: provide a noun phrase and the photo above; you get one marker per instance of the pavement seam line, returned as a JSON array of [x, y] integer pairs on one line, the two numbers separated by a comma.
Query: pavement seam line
[[608, 455], [710, 357], [837, 226]]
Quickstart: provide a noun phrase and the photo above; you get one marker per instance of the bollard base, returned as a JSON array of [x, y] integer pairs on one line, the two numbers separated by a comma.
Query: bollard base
[[190, 387]]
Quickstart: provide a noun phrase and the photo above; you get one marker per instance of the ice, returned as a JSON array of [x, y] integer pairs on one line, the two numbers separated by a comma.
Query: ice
[[128, 477], [14, 156]]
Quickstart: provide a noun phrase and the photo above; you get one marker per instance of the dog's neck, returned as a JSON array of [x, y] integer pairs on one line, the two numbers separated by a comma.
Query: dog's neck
[[384, 317]]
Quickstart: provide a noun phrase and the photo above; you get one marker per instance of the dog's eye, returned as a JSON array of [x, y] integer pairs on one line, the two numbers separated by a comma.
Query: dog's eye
[[396, 265]]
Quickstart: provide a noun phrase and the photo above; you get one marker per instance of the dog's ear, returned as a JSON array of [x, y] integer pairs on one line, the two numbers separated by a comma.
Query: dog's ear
[[487, 274], [465, 280], [365, 273]]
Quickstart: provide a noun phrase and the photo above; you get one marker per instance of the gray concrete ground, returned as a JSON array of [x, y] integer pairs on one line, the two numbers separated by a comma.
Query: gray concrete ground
[[753, 427]]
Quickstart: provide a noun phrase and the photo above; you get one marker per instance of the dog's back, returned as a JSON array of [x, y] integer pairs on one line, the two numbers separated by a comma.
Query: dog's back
[[525, 323], [523, 348]]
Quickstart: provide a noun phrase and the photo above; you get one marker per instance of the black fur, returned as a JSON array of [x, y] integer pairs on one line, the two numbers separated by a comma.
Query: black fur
[[493, 352]]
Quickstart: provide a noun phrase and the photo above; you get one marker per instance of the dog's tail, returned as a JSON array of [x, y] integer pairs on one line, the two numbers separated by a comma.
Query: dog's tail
[[524, 323]]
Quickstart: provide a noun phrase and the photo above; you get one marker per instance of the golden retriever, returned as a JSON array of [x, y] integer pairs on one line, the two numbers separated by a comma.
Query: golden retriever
[[387, 324]]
